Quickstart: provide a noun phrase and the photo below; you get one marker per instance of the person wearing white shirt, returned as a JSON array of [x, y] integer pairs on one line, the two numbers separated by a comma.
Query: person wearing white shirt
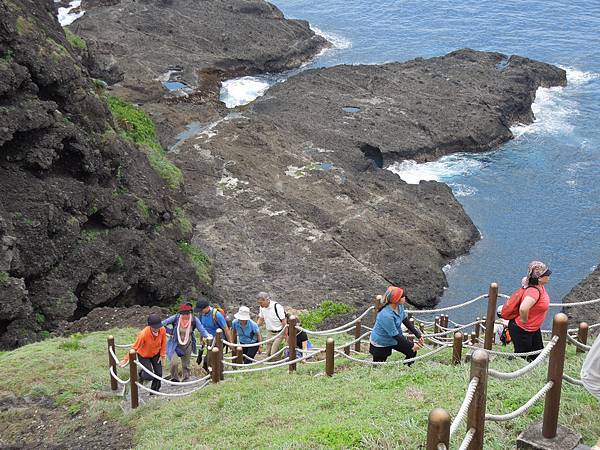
[[272, 315], [590, 375]]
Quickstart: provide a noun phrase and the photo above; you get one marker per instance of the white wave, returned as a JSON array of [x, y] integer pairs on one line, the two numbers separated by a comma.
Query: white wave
[[241, 91], [442, 169], [338, 41], [66, 17], [577, 77], [462, 190]]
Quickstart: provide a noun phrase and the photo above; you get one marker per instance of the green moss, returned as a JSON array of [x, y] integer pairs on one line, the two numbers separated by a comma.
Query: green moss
[[182, 222], [4, 279], [40, 318], [199, 260], [143, 208], [327, 309], [119, 261], [74, 40], [137, 127], [24, 25], [92, 235], [8, 56]]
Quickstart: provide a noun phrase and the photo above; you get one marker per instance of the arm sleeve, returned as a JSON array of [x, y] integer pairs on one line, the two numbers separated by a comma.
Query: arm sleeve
[[200, 327], [136, 345], [406, 322], [403, 342], [532, 292], [163, 345], [169, 320]]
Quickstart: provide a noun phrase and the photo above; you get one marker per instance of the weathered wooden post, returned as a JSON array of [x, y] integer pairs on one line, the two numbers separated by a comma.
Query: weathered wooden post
[[133, 377], [457, 348], [473, 338], [219, 345], [292, 321], [555, 374], [491, 316], [445, 321], [357, 334], [239, 355], [111, 362], [582, 335], [329, 355], [478, 327], [476, 414], [438, 429], [215, 364], [436, 325]]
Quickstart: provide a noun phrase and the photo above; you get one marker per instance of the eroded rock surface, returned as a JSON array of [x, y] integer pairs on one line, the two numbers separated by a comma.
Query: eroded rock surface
[[292, 196], [587, 289], [84, 220]]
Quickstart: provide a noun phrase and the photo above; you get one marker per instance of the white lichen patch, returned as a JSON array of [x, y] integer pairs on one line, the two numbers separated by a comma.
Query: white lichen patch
[[229, 184], [266, 211]]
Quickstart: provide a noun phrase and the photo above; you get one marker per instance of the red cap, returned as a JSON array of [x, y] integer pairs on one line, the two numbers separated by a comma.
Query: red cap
[[393, 294], [185, 307]]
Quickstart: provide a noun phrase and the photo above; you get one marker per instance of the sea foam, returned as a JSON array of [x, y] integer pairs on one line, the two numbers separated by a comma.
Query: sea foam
[[440, 170], [66, 17], [241, 91]]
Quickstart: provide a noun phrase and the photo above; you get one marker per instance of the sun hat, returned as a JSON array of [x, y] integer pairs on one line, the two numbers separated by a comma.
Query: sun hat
[[243, 313]]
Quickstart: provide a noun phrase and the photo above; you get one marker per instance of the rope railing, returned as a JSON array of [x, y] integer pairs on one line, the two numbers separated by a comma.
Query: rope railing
[[358, 339], [172, 383], [462, 411], [451, 330], [170, 394], [529, 367], [284, 362], [569, 305], [266, 341], [571, 380], [403, 361], [119, 380], [464, 445], [449, 308], [523, 409], [256, 362], [578, 344]]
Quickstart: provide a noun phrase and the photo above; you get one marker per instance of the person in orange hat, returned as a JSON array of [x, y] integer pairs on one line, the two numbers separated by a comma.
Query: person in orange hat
[[387, 331]]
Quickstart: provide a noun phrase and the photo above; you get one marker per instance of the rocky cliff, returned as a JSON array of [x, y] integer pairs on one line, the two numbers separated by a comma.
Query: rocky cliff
[[587, 289], [84, 219]]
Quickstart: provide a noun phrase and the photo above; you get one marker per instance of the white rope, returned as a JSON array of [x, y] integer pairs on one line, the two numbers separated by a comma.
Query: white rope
[[529, 367], [462, 411], [268, 358], [114, 375], [568, 305], [336, 329], [165, 394], [114, 357], [450, 330], [449, 308], [354, 341], [572, 380], [523, 409], [506, 354], [467, 440], [285, 362], [123, 345], [172, 383], [256, 362], [231, 344], [579, 345], [379, 363]]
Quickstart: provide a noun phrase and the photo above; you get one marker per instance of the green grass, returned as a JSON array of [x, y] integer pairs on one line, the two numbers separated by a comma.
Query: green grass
[[74, 40], [138, 127], [4, 279], [199, 260], [182, 222], [328, 308], [143, 208], [359, 407]]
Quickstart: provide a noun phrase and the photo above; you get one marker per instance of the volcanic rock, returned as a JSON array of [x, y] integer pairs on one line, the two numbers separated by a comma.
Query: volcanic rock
[[587, 289]]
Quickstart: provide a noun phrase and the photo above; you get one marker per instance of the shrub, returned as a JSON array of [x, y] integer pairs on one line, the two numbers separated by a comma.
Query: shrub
[[328, 308], [73, 343]]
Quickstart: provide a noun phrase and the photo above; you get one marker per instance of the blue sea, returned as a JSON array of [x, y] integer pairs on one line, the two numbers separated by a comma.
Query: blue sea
[[536, 197]]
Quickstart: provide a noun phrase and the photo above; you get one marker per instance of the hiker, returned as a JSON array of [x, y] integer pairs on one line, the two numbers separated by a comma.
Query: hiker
[[501, 333], [302, 344], [525, 327], [590, 375], [212, 319], [387, 331], [272, 315], [151, 348], [247, 332], [182, 342]]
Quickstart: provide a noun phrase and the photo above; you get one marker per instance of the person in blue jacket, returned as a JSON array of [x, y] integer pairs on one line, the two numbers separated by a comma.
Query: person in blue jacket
[[182, 342], [247, 332], [212, 319], [387, 331]]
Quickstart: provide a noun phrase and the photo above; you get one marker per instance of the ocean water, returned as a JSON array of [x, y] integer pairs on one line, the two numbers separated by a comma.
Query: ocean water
[[536, 197]]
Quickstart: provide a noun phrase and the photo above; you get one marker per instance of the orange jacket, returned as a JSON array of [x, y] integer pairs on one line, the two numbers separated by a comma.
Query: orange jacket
[[147, 345]]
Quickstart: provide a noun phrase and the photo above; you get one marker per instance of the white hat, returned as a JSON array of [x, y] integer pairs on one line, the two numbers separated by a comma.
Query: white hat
[[243, 313]]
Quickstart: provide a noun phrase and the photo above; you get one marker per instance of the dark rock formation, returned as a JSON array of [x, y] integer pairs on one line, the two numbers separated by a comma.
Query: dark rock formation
[[291, 197], [587, 289], [84, 220]]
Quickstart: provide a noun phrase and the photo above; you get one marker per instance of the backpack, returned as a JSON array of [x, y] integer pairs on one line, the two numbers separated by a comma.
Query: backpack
[[510, 310], [215, 310], [505, 336]]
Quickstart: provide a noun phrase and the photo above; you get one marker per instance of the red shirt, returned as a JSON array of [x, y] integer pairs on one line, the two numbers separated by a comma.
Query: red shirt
[[537, 313]]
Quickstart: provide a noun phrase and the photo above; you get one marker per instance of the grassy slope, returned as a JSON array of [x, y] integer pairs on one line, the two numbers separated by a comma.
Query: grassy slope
[[385, 407]]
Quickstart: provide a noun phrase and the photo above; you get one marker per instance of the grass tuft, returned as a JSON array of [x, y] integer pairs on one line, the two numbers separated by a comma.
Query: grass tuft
[[328, 308], [74, 40], [199, 259], [4, 279]]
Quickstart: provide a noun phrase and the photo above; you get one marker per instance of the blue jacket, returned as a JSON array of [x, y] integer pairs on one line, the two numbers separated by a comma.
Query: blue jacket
[[387, 325], [172, 342], [209, 323], [247, 334]]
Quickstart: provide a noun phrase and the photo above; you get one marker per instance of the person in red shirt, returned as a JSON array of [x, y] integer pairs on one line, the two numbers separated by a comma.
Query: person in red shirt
[[151, 348], [525, 329]]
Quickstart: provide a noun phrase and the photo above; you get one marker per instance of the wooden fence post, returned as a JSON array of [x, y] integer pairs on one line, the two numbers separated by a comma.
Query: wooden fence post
[[219, 345], [478, 327], [436, 325], [490, 318], [239, 355], [329, 355], [357, 334], [582, 335], [133, 377], [292, 321], [111, 362], [215, 364], [457, 348], [476, 414], [438, 429], [555, 373]]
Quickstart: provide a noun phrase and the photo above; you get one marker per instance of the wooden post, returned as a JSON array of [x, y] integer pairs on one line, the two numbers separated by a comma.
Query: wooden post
[[555, 374], [457, 348], [491, 316], [478, 327], [239, 355], [357, 334], [438, 429], [476, 414], [582, 335], [444, 319], [473, 338], [436, 325], [219, 345], [215, 364], [234, 336], [111, 362], [292, 321], [329, 354], [133, 377]]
